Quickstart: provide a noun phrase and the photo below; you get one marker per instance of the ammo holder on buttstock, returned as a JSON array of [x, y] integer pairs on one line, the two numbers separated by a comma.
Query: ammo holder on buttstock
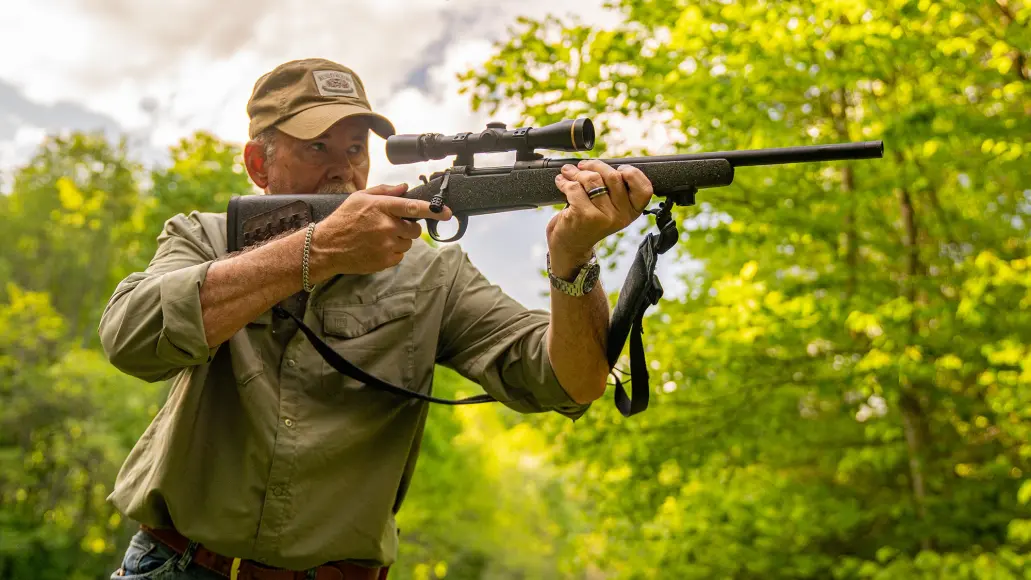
[[268, 225]]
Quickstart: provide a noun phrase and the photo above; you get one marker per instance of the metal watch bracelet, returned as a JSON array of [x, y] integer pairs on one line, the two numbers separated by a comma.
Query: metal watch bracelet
[[583, 281]]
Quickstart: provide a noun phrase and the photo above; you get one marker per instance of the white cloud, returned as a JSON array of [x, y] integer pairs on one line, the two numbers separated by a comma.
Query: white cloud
[[196, 62], [20, 147], [440, 110], [200, 60]]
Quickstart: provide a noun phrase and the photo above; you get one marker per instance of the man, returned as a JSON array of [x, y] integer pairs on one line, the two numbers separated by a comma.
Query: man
[[266, 463]]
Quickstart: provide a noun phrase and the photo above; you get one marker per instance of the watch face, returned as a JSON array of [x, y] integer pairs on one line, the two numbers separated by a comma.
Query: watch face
[[591, 277]]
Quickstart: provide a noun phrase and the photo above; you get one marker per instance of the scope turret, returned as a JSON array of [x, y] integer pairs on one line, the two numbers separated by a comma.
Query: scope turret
[[568, 135]]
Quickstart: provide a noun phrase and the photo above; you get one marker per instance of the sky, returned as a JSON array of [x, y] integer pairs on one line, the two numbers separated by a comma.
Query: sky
[[156, 71]]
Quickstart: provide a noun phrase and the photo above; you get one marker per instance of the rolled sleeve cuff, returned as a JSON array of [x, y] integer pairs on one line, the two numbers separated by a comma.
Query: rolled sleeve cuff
[[536, 378], [552, 395], [182, 340]]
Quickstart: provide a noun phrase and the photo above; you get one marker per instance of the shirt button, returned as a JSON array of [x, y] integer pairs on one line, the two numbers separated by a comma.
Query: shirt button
[[289, 422], [291, 363]]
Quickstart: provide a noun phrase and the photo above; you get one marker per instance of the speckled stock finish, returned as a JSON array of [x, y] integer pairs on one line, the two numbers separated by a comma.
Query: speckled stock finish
[[254, 218]]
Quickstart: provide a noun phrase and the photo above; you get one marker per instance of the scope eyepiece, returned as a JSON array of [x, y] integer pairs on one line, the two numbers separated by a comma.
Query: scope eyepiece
[[568, 135]]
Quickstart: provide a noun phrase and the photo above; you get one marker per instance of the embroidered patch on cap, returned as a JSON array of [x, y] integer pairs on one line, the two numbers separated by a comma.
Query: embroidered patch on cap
[[335, 83]]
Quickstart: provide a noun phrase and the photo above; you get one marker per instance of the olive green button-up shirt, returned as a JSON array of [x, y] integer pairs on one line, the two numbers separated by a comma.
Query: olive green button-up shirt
[[264, 452]]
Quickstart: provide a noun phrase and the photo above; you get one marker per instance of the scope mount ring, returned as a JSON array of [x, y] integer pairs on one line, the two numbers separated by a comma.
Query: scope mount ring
[[463, 223]]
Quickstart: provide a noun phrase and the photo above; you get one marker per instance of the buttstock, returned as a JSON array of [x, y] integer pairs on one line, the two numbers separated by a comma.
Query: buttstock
[[252, 219]]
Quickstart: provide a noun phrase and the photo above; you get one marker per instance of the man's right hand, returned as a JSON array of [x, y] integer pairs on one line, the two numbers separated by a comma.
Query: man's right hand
[[369, 232]]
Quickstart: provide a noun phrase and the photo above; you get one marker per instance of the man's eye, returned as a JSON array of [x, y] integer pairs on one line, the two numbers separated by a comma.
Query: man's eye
[[318, 146], [355, 149]]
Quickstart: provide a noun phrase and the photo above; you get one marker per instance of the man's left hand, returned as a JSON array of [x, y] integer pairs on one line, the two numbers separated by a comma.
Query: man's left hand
[[620, 196]]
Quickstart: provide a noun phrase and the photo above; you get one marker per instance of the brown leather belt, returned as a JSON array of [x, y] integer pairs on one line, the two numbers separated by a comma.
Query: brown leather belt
[[238, 569]]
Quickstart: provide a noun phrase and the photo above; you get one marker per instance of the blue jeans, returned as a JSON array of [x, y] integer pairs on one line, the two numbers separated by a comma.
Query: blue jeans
[[148, 559]]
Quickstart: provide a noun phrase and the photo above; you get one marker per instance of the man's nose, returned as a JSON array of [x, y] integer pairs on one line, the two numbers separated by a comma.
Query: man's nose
[[341, 170]]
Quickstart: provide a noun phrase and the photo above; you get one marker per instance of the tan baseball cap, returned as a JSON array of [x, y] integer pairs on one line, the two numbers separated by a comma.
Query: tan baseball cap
[[303, 98]]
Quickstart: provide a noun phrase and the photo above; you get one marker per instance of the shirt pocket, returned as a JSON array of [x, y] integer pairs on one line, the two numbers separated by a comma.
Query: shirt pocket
[[246, 352], [377, 337]]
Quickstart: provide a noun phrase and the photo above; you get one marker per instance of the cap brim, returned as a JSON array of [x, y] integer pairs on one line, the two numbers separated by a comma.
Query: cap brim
[[310, 123]]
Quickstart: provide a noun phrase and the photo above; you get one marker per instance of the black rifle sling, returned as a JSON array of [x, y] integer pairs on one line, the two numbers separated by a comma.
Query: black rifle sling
[[640, 290], [342, 366]]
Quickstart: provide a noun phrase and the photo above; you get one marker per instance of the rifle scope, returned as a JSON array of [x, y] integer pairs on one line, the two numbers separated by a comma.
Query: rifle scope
[[568, 135]]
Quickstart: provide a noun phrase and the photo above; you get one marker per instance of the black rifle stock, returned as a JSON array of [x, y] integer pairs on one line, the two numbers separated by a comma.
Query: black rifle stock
[[530, 183]]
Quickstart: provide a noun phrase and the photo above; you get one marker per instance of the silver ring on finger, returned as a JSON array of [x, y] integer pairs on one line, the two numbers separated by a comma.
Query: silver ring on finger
[[595, 192]]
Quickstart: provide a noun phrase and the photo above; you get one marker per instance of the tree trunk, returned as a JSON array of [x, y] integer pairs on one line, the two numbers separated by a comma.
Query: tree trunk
[[912, 414]]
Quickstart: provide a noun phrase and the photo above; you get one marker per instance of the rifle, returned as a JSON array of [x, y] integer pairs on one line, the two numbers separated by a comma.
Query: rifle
[[530, 183]]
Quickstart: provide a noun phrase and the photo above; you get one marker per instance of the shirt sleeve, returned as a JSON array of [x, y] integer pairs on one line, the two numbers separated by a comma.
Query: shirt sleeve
[[152, 326], [493, 340]]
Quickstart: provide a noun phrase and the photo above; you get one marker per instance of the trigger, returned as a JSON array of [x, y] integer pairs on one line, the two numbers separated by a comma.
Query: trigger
[[463, 223], [431, 226]]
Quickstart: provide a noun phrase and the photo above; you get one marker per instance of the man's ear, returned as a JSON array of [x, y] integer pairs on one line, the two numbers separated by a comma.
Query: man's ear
[[256, 162]]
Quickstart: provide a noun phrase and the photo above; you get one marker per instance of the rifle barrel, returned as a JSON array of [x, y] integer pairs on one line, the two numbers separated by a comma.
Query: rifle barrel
[[748, 157]]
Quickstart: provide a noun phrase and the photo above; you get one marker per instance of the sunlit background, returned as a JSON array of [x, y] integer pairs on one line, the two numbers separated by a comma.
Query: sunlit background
[[840, 369]]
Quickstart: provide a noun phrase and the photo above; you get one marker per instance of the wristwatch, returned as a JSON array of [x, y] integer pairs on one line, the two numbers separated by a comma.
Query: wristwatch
[[582, 283]]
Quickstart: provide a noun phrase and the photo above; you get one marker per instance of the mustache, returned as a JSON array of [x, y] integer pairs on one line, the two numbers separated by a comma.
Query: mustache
[[337, 187]]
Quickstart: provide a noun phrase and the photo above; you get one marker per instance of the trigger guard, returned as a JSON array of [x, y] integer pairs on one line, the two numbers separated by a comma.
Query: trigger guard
[[463, 222]]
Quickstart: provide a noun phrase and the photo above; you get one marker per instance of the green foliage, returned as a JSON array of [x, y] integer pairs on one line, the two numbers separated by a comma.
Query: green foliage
[[485, 478], [66, 422], [77, 221], [204, 174], [843, 390], [74, 214]]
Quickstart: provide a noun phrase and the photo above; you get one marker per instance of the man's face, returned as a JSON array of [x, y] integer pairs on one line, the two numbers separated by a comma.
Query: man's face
[[335, 162]]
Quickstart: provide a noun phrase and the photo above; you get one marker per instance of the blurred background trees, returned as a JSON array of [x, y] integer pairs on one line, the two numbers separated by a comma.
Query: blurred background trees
[[843, 391]]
